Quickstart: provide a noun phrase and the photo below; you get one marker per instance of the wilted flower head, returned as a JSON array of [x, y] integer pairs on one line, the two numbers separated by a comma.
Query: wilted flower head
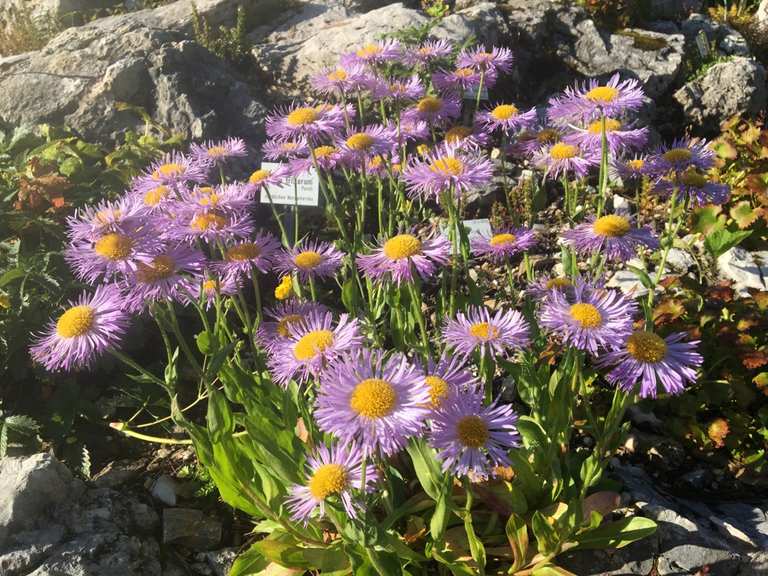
[[611, 235], [89, 326], [472, 438], [404, 255], [651, 360], [379, 401]]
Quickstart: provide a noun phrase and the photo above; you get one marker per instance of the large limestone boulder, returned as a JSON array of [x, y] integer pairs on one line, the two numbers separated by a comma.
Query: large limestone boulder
[[735, 87], [144, 59]]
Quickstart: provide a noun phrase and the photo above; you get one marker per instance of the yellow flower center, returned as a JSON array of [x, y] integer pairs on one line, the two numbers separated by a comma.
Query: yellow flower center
[[438, 390], [207, 221], [547, 135], [312, 344], [307, 260], [502, 239], [611, 125], [464, 72], [155, 196], [636, 164], [558, 283], [646, 347], [209, 200], [114, 246], [586, 315], [244, 251], [603, 94], [458, 133], [75, 322], [483, 331], [259, 176], [284, 289], [611, 225], [429, 104], [422, 149], [504, 112], [162, 267], [323, 151], [302, 116], [168, 170], [337, 75], [360, 141], [210, 286], [563, 151], [208, 190], [328, 479], [677, 155], [285, 322], [472, 431], [402, 246], [368, 50], [449, 165], [693, 178], [217, 151], [373, 398]]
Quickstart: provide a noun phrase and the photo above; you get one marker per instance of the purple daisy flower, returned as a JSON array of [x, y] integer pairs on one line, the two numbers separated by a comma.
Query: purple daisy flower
[[434, 110], [331, 472], [275, 331], [461, 80], [374, 53], [531, 143], [561, 158], [507, 118], [173, 274], [312, 123], [241, 258], [212, 285], [409, 130], [402, 255], [90, 325], [209, 226], [371, 140], [115, 253], [125, 215], [173, 170], [217, 152], [284, 150], [152, 198], [472, 438], [429, 52], [612, 236], [398, 90], [447, 378], [340, 80], [309, 259], [648, 358], [226, 198], [265, 177], [679, 156], [467, 136], [591, 100], [541, 288], [592, 319], [479, 58], [503, 245], [696, 187], [620, 138], [488, 333], [376, 400], [311, 344], [628, 169], [448, 167], [327, 158]]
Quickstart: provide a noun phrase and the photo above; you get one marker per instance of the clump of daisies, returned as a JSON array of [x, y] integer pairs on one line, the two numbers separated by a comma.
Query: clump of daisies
[[367, 388]]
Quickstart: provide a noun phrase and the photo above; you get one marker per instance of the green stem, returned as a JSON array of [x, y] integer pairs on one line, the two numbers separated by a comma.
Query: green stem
[[603, 180], [183, 341], [419, 313], [128, 361]]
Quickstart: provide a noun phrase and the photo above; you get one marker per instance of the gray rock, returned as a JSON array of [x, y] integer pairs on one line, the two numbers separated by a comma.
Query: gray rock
[[735, 87], [761, 14], [218, 562], [481, 20], [164, 489], [191, 528], [549, 34], [727, 40], [28, 487], [141, 59], [679, 260], [745, 269]]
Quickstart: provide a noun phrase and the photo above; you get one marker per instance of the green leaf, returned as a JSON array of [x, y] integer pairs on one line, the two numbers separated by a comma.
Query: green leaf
[[517, 534], [546, 536], [617, 534], [71, 165], [439, 521], [220, 422], [720, 241], [12, 275], [204, 344], [349, 295], [476, 547], [642, 275], [427, 468]]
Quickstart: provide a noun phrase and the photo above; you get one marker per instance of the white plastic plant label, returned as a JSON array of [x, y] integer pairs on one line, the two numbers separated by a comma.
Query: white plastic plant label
[[303, 191], [479, 227]]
